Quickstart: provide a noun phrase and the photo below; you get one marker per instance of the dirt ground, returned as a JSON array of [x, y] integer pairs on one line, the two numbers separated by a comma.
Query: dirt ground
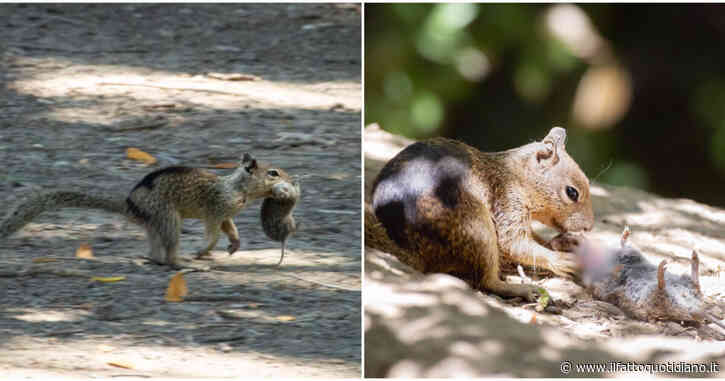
[[191, 85]]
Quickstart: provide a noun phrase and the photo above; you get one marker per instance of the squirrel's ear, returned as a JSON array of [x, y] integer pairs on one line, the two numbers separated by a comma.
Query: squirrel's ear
[[546, 154], [249, 163], [557, 135], [553, 142]]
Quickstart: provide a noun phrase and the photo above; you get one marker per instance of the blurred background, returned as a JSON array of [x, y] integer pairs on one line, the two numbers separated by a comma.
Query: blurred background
[[640, 89]]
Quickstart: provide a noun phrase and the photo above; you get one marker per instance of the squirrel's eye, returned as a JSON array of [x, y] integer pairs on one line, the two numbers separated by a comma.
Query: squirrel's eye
[[572, 193], [273, 173]]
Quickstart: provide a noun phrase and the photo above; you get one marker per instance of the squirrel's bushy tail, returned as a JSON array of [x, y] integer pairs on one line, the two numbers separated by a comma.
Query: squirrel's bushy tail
[[36, 204], [377, 238]]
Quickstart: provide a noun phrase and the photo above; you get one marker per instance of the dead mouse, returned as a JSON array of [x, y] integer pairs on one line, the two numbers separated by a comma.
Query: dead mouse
[[645, 291]]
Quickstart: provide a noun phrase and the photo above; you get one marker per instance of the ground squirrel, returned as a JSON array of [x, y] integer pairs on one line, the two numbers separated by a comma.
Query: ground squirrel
[[443, 206], [163, 198]]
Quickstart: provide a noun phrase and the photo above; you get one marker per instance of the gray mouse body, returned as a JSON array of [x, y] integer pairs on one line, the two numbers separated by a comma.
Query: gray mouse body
[[645, 291]]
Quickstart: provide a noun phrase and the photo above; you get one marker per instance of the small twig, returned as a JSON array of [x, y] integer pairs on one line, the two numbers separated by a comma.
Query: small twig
[[220, 325], [64, 333], [625, 236], [159, 106], [301, 153], [178, 88], [222, 339], [39, 270], [70, 273], [323, 284], [56, 49], [50, 259], [233, 77], [67, 20], [328, 211], [603, 170], [214, 298], [150, 126], [130, 375], [523, 275]]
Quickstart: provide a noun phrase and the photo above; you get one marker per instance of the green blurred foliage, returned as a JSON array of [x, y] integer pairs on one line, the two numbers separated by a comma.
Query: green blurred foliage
[[494, 76]]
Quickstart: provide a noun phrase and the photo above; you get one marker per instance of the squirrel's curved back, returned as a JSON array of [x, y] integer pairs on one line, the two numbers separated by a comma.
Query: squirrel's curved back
[[31, 207]]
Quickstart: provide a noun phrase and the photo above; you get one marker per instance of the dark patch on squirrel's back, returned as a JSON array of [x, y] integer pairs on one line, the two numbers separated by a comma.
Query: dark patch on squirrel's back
[[392, 216], [148, 180], [435, 168], [448, 189]]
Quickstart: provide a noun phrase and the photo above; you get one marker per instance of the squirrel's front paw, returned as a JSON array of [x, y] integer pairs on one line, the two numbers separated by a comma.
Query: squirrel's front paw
[[530, 293]]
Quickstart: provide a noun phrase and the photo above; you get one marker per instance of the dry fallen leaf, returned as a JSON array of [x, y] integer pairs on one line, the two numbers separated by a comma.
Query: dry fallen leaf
[[120, 364], [225, 165], [337, 176], [138, 155], [84, 251], [44, 260], [177, 288], [286, 318]]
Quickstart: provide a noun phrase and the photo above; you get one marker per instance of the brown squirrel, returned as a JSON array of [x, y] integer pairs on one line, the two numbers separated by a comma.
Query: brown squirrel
[[443, 206], [163, 198]]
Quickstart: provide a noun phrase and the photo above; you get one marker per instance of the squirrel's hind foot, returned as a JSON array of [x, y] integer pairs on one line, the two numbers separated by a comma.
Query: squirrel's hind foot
[[233, 246], [529, 292], [204, 256]]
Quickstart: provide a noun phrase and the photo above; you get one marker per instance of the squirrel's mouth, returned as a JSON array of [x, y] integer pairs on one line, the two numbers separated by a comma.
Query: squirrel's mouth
[[560, 227], [556, 225]]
